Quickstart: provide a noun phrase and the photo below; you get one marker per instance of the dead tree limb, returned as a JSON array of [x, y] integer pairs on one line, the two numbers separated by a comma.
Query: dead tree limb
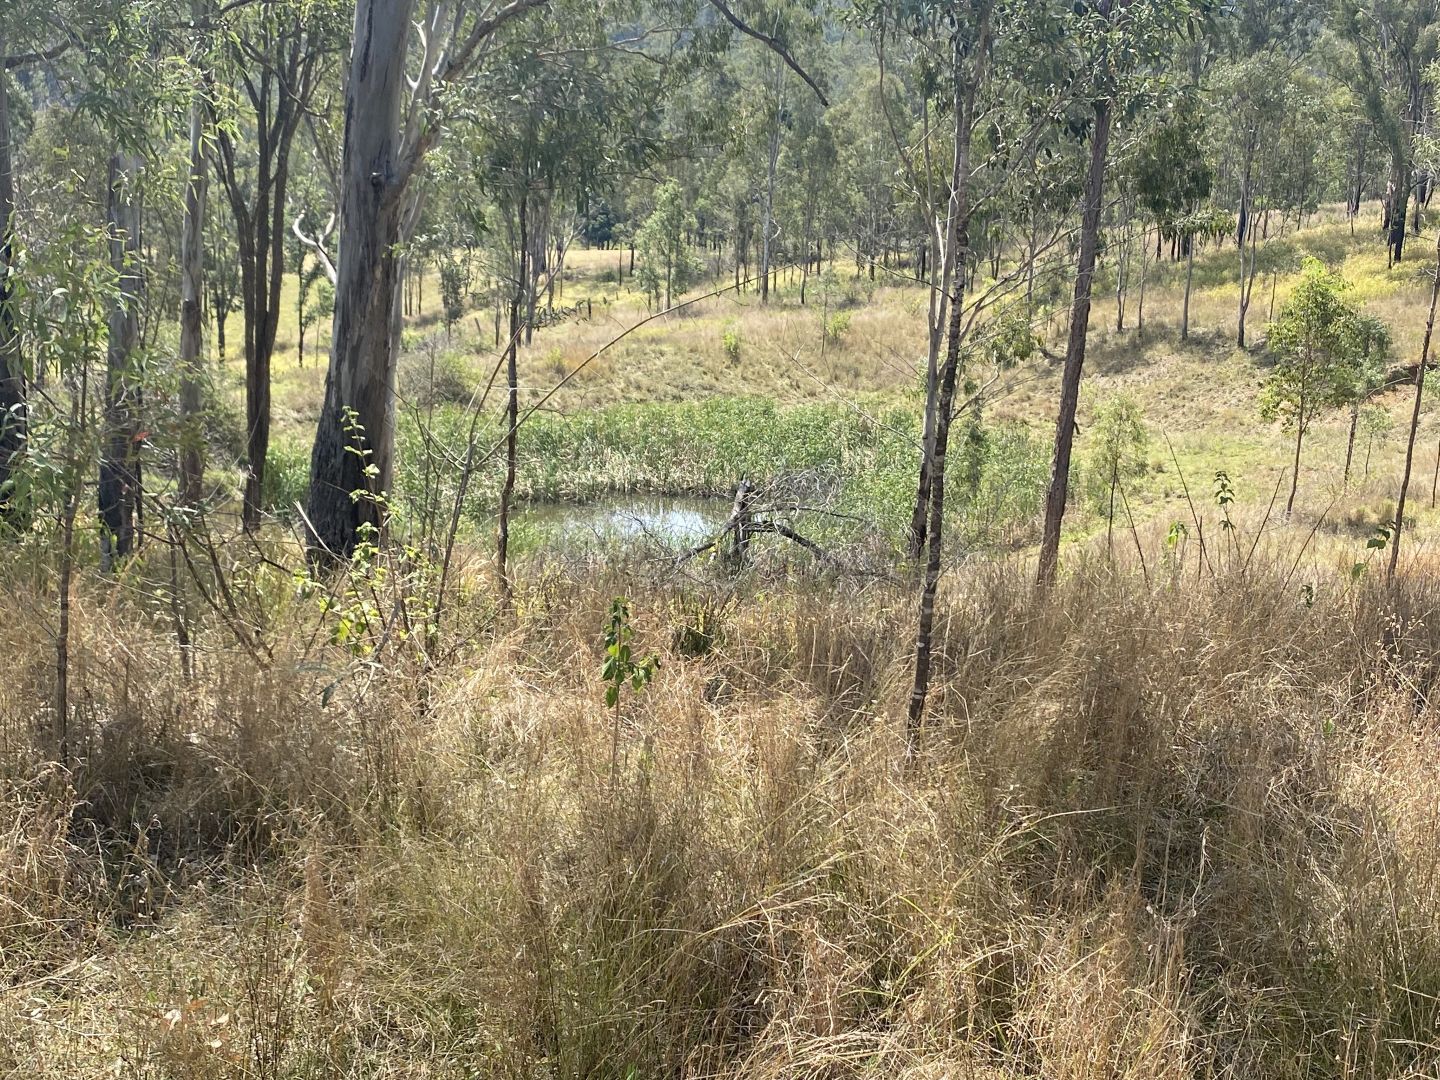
[[316, 244], [777, 47]]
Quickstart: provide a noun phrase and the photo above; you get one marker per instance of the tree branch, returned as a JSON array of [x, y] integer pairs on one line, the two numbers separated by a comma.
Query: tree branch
[[317, 244], [779, 49], [21, 59], [456, 65]]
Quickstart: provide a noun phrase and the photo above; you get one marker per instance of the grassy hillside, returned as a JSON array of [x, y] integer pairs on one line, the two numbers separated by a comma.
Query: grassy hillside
[[671, 410], [1177, 818]]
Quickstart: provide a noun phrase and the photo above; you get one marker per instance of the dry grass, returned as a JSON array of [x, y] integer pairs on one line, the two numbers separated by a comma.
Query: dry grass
[[1173, 822], [1179, 829]]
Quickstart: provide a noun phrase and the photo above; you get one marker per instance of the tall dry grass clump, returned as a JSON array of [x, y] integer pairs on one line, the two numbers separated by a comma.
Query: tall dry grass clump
[[1176, 828]]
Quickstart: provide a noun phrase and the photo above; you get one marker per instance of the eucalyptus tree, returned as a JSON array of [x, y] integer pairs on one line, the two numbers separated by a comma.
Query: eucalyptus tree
[[870, 164], [1172, 180], [120, 476], [1117, 49], [667, 266], [810, 201], [276, 58], [392, 120], [26, 39], [1371, 344], [221, 260], [1324, 353], [989, 61], [1390, 46], [789, 21], [132, 103], [1246, 116], [195, 188]]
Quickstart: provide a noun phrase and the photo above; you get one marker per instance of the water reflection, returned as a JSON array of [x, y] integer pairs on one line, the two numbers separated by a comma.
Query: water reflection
[[672, 522]]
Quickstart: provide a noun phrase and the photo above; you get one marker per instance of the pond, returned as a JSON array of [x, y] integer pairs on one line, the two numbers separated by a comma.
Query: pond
[[624, 519]]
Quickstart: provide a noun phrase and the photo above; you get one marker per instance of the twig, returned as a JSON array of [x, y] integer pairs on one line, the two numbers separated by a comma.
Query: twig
[[1194, 516]]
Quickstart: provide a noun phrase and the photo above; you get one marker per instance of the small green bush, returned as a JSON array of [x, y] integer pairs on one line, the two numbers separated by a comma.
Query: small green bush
[[730, 342], [287, 478]]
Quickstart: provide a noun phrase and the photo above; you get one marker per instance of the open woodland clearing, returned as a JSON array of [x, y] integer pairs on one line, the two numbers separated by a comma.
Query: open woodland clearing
[[636, 539]]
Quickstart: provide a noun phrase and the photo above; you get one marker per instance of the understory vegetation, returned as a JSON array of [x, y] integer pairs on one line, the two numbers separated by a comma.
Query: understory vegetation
[[1200, 843], [719, 540]]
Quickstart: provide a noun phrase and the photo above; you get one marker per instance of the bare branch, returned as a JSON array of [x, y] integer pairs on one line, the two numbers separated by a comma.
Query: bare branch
[[779, 49], [22, 59], [316, 244]]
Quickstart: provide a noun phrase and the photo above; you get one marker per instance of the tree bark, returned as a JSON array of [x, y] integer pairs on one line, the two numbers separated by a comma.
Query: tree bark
[[768, 225], [192, 446], [1122, 268], [956, 254], [378, 214], [1414, 424], [119, 485], [358, 384], [523, 292], [1350, 442], [1435, 478], [1295, 471], [940, 300], [1189, 245], [1058, 493], [920, 688], [12, 366], [1398, 202], [1249, 264], [1140, 304]]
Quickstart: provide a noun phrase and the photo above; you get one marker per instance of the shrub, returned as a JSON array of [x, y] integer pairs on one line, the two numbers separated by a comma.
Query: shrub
[[427, 380], [287, 477], [730, 342]]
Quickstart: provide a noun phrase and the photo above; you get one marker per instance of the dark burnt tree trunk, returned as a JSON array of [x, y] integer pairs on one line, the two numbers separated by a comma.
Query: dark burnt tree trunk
[[119, 485], [1058, 493], [12, 368], [278, 75]]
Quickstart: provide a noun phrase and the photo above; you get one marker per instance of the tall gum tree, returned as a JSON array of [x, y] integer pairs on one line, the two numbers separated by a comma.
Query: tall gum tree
[[1393, 43], [390, 123], [990, 50], [276, 58], [17, 52], [1119, 43]]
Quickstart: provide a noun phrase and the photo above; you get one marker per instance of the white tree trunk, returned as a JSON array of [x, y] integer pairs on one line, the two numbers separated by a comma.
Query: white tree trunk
[[355, 438]]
